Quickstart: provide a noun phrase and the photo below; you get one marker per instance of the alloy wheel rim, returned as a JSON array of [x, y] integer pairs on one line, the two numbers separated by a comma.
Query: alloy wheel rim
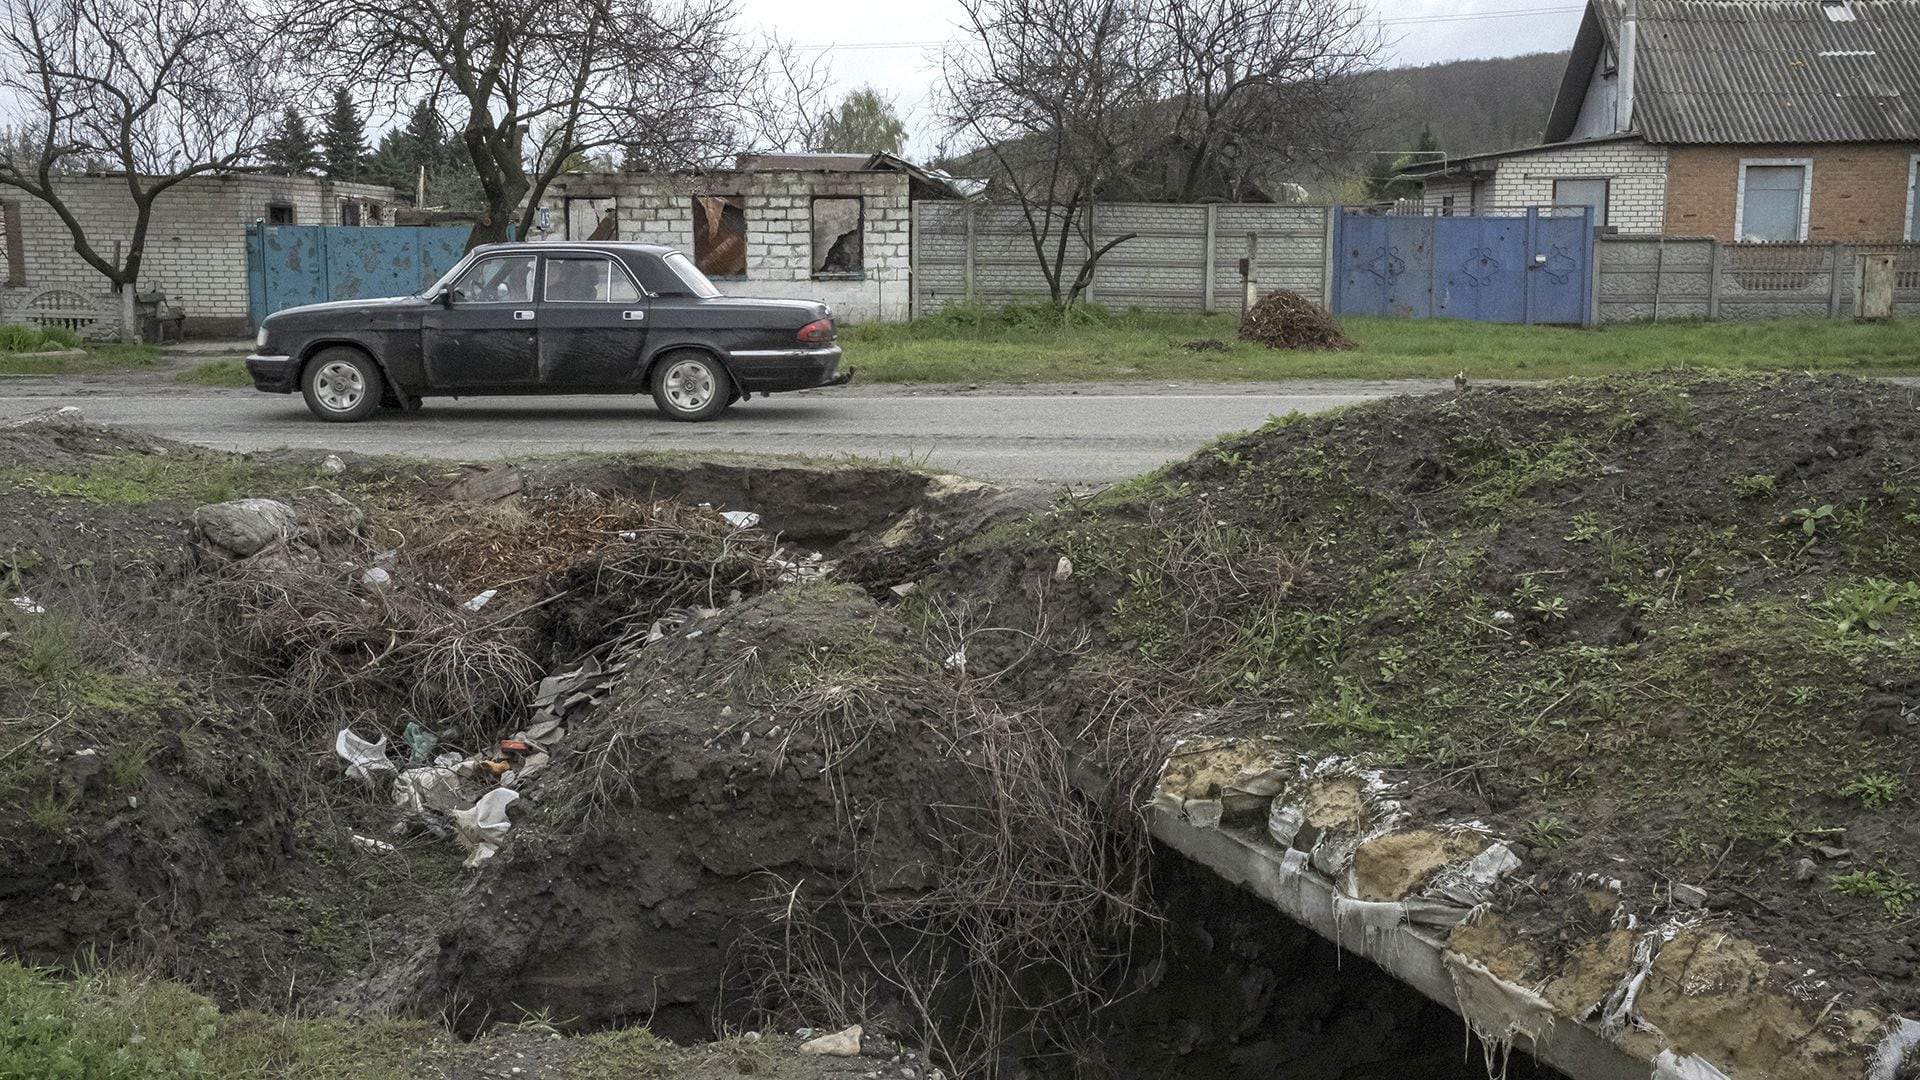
[[339, 386], [689, 386]]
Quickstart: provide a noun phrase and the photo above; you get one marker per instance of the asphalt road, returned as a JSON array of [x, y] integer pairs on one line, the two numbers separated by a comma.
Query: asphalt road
[[1081, 435]]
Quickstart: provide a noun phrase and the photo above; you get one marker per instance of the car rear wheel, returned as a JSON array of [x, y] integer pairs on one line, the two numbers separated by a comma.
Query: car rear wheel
[[691, 386], [342, 385]]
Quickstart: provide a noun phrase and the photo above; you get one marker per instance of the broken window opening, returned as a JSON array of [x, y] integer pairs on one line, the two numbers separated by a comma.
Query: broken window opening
[[279, 213], [590, 218], [349, 212], [720, 235], [838, 228]]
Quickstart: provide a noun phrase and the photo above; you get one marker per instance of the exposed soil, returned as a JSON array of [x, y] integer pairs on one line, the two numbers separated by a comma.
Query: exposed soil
[[1658, 632]]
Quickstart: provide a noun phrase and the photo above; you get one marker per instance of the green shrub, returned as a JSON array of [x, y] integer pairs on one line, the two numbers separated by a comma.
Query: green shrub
[[17, 338]]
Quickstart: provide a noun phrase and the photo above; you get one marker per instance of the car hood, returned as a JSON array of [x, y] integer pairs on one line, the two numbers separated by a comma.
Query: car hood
[[336, 306]]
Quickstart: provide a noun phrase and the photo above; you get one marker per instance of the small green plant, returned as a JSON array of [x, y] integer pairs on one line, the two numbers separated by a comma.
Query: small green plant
[[1553, 608], [1230, 459], [1802, 695], [1586, 528], [1757, 486], [1870, 605], [1873, 789], [127, 763], [1393, 661], [51, 814], [1810, 518], [1546, 832], [1893, 891]]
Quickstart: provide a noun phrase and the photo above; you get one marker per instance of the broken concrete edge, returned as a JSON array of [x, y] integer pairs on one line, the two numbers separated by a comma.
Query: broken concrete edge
[[1406, 934]]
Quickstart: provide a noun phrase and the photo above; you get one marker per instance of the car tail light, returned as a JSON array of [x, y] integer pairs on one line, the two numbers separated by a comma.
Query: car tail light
[[817, 332]]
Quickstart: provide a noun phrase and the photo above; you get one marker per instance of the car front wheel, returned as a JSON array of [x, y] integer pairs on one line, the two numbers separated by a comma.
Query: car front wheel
[[342, 385], [691, 386]]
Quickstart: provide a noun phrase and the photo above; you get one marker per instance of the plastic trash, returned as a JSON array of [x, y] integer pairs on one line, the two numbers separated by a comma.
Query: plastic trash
[[741, 519], [483, 826], [480, 601], [369, 844], [420, 742], [363, 758], [332, 464], [27, 605], [429, 787], [373, 577]]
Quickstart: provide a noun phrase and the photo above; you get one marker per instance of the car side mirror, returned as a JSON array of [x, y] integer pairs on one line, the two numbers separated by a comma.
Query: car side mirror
[[444, 298]]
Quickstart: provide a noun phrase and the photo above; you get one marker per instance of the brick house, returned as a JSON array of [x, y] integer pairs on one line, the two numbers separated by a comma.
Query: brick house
[[831, 227], [196, 241], [1741, 120]]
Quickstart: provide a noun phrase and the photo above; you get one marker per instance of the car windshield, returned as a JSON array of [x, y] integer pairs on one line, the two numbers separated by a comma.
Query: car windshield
[[689, 274]]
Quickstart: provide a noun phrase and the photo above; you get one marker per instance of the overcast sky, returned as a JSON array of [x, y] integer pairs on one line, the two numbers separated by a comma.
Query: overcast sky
[[893, 44]]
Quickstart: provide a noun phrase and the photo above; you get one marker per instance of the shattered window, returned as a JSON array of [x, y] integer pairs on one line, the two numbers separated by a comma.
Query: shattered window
[[720, 235], [349, 212], [836, 236], [279, 213]]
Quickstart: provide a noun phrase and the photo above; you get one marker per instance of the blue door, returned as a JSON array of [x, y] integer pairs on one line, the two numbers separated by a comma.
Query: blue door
[[1385, 266], [1482, 264], [1562, 269]]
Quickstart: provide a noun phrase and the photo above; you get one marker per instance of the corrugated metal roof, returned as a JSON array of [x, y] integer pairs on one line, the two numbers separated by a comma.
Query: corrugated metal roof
[[1774, 71]]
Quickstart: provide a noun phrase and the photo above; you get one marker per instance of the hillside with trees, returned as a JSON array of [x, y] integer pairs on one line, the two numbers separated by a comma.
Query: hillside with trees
[[1471, 106]]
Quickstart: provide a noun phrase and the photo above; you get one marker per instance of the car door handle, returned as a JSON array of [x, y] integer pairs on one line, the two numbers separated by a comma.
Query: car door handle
[[633, 316], [523, 316]]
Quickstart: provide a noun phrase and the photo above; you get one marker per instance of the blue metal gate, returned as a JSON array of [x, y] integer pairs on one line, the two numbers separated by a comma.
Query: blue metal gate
[[1530, 269], [290, 265]]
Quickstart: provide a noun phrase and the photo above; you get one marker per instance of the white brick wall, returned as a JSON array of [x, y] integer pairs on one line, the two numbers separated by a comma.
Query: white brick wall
[[1636, 175], [196, 242], [656, 209]]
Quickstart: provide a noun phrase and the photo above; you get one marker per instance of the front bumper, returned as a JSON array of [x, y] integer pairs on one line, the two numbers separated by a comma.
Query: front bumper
[[769, 371], [273, 374]]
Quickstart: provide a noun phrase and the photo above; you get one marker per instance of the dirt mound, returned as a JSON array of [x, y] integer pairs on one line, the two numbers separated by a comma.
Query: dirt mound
[[1661, 629], [1283, 319]]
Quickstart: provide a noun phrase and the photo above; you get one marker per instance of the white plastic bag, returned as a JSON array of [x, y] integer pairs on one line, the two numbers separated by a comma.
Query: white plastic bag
[[483, 827], [364, 759]]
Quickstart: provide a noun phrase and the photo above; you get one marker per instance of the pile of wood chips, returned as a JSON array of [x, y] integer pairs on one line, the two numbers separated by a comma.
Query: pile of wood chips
[[1284, 319]]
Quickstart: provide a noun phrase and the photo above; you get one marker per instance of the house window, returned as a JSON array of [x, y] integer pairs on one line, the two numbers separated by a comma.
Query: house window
[[720, 235], [1773, 200], [10, 237], [591, 219], [279, 213], [1446, 206], [588, 279], [838, 227], [1913, 197], [349, 212], [1583, 192]]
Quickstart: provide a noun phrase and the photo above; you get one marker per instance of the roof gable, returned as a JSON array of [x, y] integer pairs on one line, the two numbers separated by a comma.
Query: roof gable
[[1758, 71]]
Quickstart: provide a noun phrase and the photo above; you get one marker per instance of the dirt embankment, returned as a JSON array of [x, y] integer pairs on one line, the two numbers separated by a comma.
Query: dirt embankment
[[1653, 633]]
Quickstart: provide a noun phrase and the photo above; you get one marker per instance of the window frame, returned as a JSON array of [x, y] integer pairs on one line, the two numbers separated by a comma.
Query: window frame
[[739, 202], [454, 285], [1605, 215], [613, 265], [350, 208], [1446, 205], [293, 214], [1913, 199], [860, 223], [1805, 165]]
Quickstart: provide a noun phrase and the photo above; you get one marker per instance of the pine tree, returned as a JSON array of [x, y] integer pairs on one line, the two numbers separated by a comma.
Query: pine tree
[[291, 149], [425, 143], [345, 141]]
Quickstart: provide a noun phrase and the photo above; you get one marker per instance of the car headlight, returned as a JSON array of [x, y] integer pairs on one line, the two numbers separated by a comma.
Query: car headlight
[[260, 339]]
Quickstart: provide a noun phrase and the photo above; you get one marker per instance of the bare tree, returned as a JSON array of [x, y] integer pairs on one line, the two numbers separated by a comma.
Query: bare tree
[[154, 90], [1250, 83], [662, 79], [1056, 94]]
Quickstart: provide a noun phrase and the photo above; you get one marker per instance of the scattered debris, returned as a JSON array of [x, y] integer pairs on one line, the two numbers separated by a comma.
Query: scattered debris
[[843, 1043], [27, 605], [484, 825], [741, 519], [333, 464], [65, 414], [480, 601], [364, 759], [420, 742], [369, 844], [242, 528], [1284, 319]]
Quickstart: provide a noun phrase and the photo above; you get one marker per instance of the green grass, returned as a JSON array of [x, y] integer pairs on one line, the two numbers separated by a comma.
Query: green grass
[[1033, 344], [231, 371], [131, 479], [96, 358]]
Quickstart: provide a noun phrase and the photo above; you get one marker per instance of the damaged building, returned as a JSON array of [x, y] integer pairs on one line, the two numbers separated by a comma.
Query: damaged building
[[830, 227]]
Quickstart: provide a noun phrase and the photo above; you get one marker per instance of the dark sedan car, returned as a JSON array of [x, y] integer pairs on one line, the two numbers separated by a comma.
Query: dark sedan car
[[550, 318]]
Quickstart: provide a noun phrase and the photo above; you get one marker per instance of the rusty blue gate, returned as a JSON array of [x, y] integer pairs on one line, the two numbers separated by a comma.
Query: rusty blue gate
[[1535, 268], [290, 265]]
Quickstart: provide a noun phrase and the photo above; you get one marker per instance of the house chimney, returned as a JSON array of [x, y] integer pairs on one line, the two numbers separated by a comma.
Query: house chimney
[[1629, 45]]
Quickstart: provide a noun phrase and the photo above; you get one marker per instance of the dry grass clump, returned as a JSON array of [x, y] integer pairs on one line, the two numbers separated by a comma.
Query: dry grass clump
[[1283, 319]]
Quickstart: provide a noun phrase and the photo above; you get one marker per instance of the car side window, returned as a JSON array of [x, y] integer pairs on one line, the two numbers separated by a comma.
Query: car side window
[[507, 279], [588, 279]]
